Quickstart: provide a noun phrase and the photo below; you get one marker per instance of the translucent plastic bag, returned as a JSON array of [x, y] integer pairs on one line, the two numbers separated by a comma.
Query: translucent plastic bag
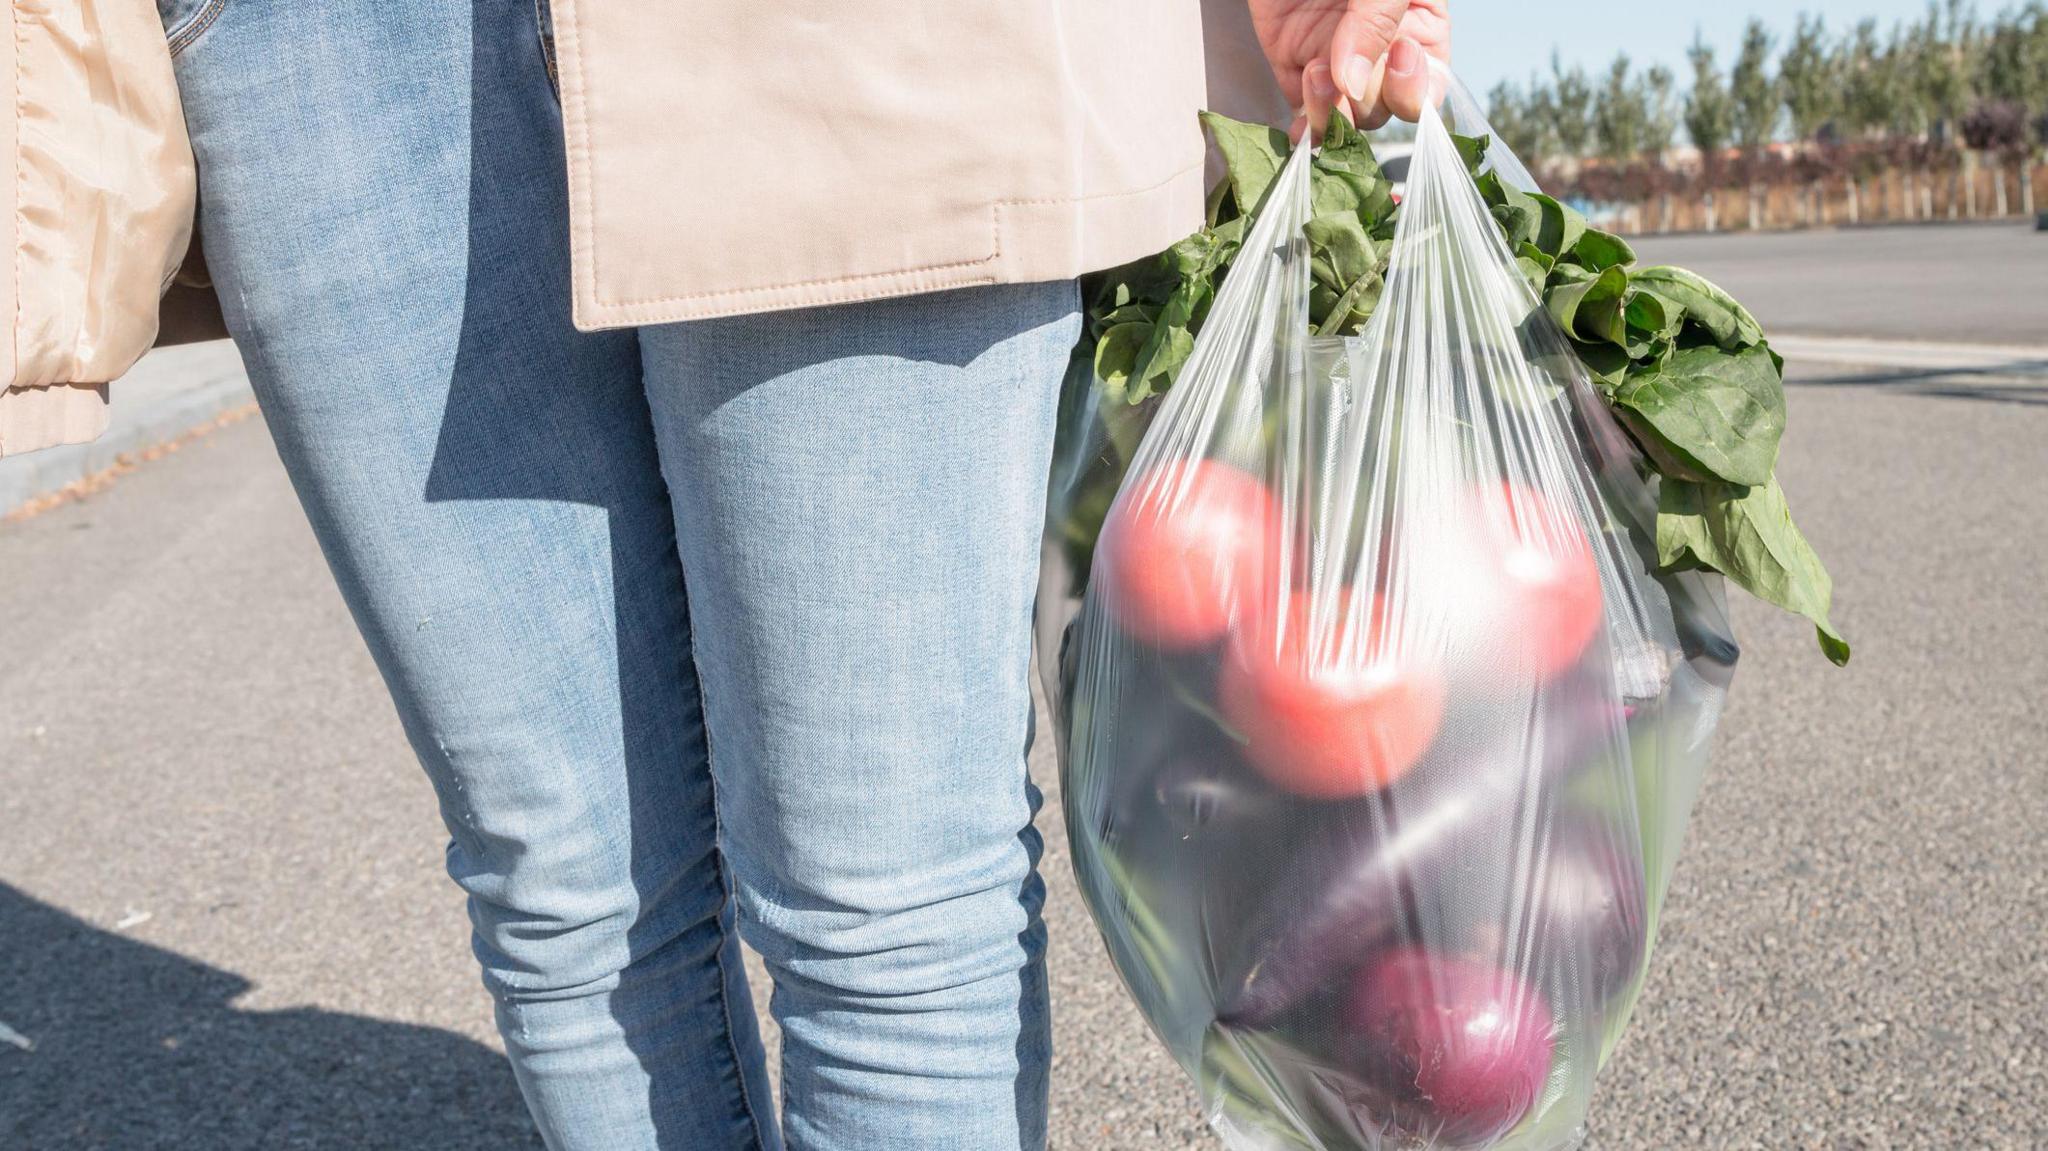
[[1378, 733]]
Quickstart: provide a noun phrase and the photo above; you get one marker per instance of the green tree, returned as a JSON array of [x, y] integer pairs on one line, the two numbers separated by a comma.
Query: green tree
[[1709, 117], [1621, 128], [1539, 113], [2037, 108], [1571, 107], [1508, 111], [1867, 92], [1659, 94], [1756, 96], [1806, 76], [1942, 76], [1952, 70], [1620, 122], [1912, 127], [1867, 95], [1660, 101], [2012, 70]]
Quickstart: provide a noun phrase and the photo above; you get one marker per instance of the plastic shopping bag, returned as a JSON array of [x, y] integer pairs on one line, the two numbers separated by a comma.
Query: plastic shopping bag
[[1378, 733]]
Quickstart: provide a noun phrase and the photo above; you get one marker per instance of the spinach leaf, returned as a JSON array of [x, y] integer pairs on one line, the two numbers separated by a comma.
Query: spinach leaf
[[1340, 250], [1727, 322], [1116, 355], [1590, 310], [1347, 180], [1601, 251], [1607, 364], [1707, 415], [1748, 535], [1253, 154], [1560, 228]]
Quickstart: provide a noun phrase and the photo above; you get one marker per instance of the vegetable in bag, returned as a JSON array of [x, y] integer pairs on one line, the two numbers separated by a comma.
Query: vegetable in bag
[[1385, 649]]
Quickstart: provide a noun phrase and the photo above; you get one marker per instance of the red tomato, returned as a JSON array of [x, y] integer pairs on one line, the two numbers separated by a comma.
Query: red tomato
[[1322, 722], [1462, 1046], [1546, 583], [1183, 545], [1508, 580]]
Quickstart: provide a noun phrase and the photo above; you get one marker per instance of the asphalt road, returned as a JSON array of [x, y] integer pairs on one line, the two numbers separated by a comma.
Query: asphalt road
[[1981, 282], [223, 922]]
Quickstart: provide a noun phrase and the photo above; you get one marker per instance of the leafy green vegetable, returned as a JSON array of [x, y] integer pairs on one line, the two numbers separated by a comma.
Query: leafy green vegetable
[[1704, 414], [1601, 251], [1252, 153], [1747, 533], [1685, 368], [1714, 310], [1591, 310]]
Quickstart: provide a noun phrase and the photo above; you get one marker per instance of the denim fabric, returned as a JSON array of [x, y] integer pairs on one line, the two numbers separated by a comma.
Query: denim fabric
[[821, 745]]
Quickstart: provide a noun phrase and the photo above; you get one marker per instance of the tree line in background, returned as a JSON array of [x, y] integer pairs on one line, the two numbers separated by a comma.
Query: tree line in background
[[1943, 117]]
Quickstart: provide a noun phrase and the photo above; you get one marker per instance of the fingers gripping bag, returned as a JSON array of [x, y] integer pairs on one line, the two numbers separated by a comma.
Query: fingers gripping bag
[[1378, 732]]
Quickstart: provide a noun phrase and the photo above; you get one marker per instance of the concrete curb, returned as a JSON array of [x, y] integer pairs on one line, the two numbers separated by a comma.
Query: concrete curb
[[2017, 363], [171, 392]]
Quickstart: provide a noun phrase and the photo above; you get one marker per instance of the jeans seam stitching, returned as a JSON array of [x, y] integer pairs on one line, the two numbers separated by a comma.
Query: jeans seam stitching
[[725, 993], [543, 19], [730, 890], [194, 26]]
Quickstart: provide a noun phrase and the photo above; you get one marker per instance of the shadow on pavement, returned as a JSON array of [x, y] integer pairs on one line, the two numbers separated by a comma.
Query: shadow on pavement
[[1997, 383], [138, 1047]]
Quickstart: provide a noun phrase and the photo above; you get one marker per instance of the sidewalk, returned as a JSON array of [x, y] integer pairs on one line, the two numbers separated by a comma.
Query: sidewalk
[[170, 393]]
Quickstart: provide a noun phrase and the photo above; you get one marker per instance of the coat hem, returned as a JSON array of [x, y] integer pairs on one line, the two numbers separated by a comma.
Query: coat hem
[[1035, 241]]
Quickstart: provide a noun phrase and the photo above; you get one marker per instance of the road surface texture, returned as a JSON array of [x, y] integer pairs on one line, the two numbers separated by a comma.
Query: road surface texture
[[223, 922], [1976, 283]]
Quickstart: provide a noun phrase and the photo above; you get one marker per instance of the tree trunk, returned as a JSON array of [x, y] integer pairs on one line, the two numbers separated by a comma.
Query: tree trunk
[[1755, 210], [1927, 196], [1710, 212], [2027, 187], [1855, 201], [1969, 184], [1820, 203], [1999, 203], [1664, 213]]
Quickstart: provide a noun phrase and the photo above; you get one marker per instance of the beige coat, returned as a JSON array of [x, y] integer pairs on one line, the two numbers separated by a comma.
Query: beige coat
[[722, 158], [745, 157], [96, 207]]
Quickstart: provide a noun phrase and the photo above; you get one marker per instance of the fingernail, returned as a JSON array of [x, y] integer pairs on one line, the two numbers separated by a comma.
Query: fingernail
[[1357, 77], [1319, 82], [1404, 57]]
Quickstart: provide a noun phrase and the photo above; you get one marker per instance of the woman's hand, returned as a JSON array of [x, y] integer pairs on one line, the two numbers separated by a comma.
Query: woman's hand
[[1365, 57]]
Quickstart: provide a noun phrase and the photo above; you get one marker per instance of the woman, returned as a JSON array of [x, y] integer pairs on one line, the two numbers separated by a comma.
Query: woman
[[688, 492]]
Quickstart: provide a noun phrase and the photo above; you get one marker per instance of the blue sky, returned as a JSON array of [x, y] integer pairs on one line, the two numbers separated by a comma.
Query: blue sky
[[1494, 40]]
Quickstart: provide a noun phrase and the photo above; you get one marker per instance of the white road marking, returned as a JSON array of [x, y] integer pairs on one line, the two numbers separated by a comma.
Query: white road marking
[[2001, 361]]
